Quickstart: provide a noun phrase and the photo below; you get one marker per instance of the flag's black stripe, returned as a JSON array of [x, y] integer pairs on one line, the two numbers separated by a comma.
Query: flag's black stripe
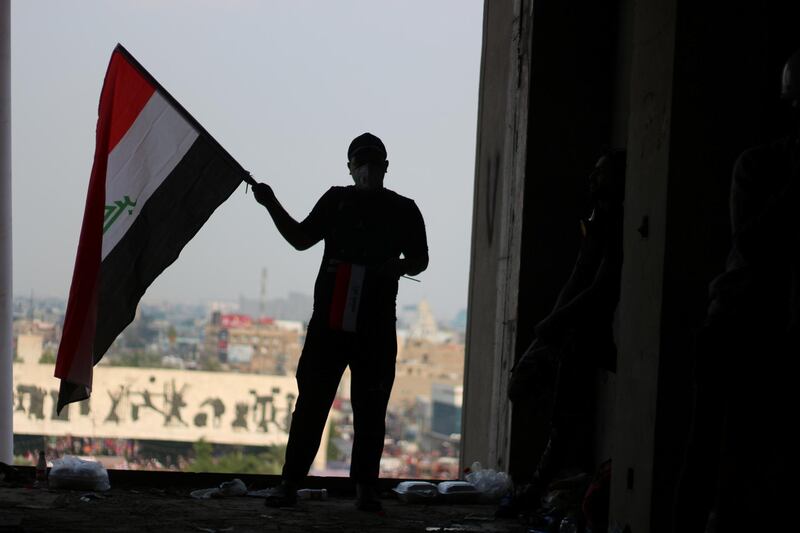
[[171, 217]]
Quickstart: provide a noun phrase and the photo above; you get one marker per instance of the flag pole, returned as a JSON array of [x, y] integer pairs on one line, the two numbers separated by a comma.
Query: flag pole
[[6, 287]]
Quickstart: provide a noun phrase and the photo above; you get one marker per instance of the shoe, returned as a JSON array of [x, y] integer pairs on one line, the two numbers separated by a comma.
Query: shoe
[[367, 498], [284, 495]]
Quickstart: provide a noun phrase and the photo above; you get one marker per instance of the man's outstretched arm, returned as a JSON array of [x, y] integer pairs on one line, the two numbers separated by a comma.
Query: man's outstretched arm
[[291, 230]]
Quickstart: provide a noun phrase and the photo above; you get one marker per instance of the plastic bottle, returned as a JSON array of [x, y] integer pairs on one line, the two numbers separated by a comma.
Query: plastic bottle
[[41, 469], [312, 494]]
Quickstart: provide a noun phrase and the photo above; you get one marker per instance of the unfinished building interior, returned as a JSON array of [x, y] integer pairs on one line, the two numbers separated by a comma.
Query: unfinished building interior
[[683, 86]]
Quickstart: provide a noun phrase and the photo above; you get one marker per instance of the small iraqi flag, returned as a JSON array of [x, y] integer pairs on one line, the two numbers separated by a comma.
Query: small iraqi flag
[[156, 178]]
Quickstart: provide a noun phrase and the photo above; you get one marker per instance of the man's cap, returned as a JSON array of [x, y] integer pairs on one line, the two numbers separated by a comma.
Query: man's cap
[[366, 143]]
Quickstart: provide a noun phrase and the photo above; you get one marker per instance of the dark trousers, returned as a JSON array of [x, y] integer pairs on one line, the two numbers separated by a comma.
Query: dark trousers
[[571, 426], [371, 357]]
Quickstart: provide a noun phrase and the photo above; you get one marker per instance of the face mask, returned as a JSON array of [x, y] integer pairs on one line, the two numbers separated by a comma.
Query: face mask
[[363, 178]]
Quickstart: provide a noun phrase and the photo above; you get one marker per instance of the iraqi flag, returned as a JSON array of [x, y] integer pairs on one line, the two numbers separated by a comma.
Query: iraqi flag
[[157, 177]]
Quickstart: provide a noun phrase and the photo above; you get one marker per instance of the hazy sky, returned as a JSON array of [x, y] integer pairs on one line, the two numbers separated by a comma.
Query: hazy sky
[[283, 86]]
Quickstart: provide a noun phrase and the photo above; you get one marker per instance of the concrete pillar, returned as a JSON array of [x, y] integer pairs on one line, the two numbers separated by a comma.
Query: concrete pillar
[[496, 232], [6, 289]]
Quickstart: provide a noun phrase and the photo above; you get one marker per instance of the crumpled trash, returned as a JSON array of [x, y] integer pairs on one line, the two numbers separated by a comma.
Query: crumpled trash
[[566, 493], [236, 487], [459, 492], [491, 484], [416, 491], [69, 472]]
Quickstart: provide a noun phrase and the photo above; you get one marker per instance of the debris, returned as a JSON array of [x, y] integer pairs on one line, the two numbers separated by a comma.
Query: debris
[[312, 494], [69, 472], [491, 484], [416, 491], [458, 492], [235, 487]]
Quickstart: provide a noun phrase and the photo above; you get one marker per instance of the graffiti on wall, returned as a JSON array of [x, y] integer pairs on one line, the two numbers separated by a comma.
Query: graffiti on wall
[[159, 404]]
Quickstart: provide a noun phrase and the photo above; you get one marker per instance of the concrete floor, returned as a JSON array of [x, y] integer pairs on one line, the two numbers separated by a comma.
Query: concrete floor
[[153, 509]]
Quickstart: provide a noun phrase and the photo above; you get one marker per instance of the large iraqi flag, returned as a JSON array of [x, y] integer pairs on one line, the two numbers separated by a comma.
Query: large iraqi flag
[[157, 177]]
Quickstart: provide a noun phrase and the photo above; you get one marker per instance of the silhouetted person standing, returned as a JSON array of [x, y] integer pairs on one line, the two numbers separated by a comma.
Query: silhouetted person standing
[[373, 236], [741, 460], [577, 336]]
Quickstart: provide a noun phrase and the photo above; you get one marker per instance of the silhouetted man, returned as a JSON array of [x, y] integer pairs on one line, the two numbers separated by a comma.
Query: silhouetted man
[[373, 236], [576, 337], [742, 456]]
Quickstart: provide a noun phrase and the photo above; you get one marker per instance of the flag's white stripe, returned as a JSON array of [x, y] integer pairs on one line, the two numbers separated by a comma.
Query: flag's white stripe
[[354, 290], [151, 148]]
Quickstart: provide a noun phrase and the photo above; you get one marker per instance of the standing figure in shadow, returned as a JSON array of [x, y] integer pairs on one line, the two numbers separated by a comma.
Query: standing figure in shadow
[[373, 236], [576, 338], [741, 459]]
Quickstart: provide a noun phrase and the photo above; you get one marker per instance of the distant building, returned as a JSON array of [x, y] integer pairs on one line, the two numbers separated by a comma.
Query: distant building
[[446, 401], [263, 346], [424, 327], [49, 331], [420, 364]]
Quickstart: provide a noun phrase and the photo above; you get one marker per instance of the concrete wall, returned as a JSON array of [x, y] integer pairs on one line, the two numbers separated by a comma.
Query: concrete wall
[[685, 87], [569, 107], [704, 86], [496, 232], [6, 289], [572, 120]]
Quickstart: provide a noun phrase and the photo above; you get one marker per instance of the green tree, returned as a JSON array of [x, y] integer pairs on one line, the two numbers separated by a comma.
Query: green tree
[[136, 359], [210, 364], [47, 358], [237, 461], [203, 457]]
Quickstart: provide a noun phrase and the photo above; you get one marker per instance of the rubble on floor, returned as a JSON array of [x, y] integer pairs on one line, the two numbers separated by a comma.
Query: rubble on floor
[[174, 510]]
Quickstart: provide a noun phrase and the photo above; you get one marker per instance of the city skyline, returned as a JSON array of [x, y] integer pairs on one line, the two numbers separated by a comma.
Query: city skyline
[[291, 86]]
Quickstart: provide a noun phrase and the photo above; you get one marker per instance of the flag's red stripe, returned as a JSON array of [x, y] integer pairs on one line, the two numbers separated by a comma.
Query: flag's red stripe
[[124, 94], [129, 94], [339, 299]]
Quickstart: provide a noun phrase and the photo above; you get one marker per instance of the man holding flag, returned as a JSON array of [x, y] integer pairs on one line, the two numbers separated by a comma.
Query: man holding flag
[[157, 177], [366, 229]]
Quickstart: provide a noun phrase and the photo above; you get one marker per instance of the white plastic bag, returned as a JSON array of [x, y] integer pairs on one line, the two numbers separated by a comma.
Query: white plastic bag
[[416, 491], [69, 472], [493, 485]]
